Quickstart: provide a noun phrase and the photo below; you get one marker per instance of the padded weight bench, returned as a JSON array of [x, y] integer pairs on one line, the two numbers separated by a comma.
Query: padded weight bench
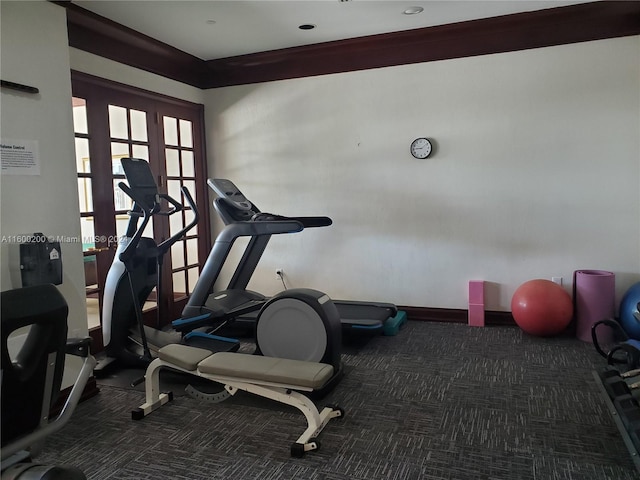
[[275, 378]]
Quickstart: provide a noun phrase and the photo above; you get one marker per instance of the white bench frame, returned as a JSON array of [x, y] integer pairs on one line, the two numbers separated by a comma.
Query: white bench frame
[[283, 393]]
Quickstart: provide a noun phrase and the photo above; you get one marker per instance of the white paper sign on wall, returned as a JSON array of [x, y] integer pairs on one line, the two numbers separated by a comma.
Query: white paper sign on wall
[[19, 157]]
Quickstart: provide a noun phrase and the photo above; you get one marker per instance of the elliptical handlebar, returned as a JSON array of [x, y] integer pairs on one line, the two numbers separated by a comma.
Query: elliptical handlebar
[[164, 246], [154, 208], [147, 213], [175, 205], [138, 201]]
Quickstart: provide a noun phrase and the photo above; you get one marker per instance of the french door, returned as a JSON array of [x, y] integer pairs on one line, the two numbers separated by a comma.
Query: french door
[[112, 121]]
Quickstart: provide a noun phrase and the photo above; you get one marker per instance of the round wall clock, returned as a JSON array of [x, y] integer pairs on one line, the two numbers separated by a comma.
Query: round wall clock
[[421, 147]]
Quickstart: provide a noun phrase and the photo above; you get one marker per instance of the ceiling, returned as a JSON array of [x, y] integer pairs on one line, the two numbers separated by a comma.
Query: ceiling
[[218, 29]]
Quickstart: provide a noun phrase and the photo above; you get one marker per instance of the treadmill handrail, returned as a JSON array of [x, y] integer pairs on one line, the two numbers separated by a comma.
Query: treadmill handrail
[[307, 222], [220, 251], [250, 229], [313, 222], [230, 199]]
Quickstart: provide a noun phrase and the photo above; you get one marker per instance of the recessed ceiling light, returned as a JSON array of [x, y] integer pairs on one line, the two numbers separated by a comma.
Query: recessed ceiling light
[[307, 26], [413, 10]]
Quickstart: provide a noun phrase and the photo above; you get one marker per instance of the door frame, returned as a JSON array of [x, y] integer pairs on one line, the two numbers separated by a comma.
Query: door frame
[[105, 92]]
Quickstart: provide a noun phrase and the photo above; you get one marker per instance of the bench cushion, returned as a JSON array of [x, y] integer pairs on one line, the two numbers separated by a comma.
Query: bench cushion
[[268, 369], [183, 356]]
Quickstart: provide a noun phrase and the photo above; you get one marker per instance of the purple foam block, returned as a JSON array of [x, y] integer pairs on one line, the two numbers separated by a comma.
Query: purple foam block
[[595, 300]]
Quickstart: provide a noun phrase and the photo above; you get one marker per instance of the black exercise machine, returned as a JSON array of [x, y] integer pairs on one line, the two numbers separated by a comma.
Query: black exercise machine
[[625, 351], [297, 324], [233, 303], [619, 382], [619, 390], [136, 270], [32, 373], [235, 209]]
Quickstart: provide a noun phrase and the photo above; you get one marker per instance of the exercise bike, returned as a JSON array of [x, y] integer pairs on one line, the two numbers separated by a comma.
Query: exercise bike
[[31, 380]]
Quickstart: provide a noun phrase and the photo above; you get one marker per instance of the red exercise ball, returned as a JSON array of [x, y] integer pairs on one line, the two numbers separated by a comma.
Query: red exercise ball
[[542, 308]]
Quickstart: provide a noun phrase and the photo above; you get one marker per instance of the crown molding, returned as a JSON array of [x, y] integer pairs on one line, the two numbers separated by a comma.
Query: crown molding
[[521, 31], [103, 37]]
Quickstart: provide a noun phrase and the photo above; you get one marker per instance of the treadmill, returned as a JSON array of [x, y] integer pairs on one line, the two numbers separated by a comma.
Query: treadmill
[[357, 317], [236, 308]]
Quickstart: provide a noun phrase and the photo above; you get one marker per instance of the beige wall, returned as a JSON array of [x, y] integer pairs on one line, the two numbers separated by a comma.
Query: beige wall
[[34, 52], [535, 173]]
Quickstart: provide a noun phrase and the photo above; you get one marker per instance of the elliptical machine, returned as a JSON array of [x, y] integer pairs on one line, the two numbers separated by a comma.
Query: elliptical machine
[[298, 324], [136, 270]]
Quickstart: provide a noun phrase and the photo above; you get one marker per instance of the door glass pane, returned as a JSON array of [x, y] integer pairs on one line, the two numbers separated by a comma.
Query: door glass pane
[[85, 196], [170, 131], [83, 165], [140, 151], [175, 223], [118, 122], [173, 162], [179, 283], [121, 225], [79, 115], [192, 251], [186, 138], [138, 125], [118, 151], [173, 189], [121, 200], [193, 275], [191, 186], [177, 255], [88, 233], [188, 168], [188, 218]]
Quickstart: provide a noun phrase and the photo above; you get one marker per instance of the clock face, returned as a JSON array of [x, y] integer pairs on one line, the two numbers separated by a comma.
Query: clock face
[[421, 148]]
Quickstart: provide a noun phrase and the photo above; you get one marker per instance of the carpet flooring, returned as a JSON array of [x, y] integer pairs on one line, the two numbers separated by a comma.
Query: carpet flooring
[[438, 401]]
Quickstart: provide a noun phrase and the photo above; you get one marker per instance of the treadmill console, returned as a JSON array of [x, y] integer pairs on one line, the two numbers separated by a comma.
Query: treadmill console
[[231, 204], [227, 190]]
